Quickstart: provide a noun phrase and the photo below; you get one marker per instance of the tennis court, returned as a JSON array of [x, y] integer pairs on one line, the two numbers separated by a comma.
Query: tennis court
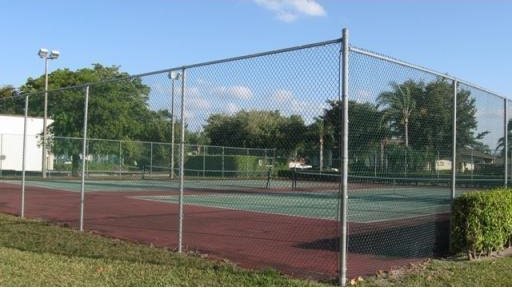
[[368, 206], [116, 185], [368, 203]]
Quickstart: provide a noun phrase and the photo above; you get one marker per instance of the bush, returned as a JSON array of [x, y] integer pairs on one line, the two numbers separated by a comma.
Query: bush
[[229, 165], [481, 222]]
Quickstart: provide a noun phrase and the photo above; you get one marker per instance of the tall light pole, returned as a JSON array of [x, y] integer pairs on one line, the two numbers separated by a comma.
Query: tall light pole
[[173, 75], [44, 54]]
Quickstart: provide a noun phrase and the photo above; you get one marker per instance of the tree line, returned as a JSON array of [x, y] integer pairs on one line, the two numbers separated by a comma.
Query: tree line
[[410, 116]]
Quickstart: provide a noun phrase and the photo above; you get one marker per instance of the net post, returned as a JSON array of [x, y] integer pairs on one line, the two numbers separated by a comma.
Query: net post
[[24, 157], [505, 142], [454, 143], [344, 167], [84, 159], [182, 163]]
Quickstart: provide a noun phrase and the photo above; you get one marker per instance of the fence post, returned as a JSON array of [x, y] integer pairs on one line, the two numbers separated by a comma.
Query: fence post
[[505, 142], [150, 160], [87, 164], [1, 152], [321, 140], [204, 159], [23, 159], [84, 159], [247, 163], [223, 162], [174, 76], [120, 155], [344, 166], [182, 162], [454, 143], [375, 164]]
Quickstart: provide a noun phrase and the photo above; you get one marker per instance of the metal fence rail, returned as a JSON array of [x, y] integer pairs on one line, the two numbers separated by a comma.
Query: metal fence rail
[[323, 160]]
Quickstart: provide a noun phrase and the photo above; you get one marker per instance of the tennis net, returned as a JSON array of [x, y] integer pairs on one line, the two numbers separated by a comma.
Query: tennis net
[[316, 180]]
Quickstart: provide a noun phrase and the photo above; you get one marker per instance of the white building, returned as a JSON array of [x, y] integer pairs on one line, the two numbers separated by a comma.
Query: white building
[[11, 143], [443, 165]]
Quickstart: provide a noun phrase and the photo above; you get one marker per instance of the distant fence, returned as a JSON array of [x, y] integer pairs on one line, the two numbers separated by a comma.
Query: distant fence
[[197, 158]]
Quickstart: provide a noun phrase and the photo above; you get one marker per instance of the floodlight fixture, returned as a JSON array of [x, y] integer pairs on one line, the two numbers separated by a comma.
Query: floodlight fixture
[[54, 54], [15, 93], [174, 75], [43, 53]]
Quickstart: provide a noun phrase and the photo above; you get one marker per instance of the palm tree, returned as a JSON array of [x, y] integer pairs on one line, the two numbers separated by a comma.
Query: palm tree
[[501, 141], [323, 132], [398, 105]]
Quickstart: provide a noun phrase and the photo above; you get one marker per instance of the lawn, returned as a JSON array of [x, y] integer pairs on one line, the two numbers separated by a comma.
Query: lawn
[[35, 253], [442, 273]]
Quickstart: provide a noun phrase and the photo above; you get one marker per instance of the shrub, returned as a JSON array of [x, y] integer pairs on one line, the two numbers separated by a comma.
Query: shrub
[[481, 222], [229, 166]]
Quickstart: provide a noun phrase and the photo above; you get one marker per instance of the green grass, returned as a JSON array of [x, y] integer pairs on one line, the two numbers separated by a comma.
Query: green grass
[[439, 273], [34, 253]]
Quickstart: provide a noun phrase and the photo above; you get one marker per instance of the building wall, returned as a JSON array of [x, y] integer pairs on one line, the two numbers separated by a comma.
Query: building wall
[[443, 165], [11, 143]]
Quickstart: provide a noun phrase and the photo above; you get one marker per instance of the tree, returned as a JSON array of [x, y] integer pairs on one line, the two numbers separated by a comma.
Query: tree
[[501, 142], [399, 105], [10, 101], [318, 138], [431, 120], [420, 114], [257, 129], [117, 109], [432, 123], [365, 130]]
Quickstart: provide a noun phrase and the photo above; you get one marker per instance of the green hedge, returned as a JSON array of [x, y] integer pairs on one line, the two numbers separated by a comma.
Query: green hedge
[[481, 222], [229, 165]]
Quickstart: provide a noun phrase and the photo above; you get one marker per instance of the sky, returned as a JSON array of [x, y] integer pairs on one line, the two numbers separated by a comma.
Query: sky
[[468, 39]]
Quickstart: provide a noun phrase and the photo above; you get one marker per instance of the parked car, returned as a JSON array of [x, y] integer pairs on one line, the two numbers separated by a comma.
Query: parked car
[[298, 165]]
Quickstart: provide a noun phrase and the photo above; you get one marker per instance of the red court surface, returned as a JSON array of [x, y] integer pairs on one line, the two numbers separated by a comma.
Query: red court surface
[[297, 246]]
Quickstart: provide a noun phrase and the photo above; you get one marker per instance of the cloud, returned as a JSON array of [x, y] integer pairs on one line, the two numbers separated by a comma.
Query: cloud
[[289, 10], [239, 92], [282, 95], [198, 103], [288, 103], [363, 93], [486, 113], [232, 108]]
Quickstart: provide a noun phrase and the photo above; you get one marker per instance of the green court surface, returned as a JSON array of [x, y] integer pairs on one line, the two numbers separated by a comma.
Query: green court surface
[[365, 206], [153, 185]]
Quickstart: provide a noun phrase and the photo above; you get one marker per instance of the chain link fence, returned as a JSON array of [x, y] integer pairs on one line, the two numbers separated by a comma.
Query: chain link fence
[[244, 158]]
